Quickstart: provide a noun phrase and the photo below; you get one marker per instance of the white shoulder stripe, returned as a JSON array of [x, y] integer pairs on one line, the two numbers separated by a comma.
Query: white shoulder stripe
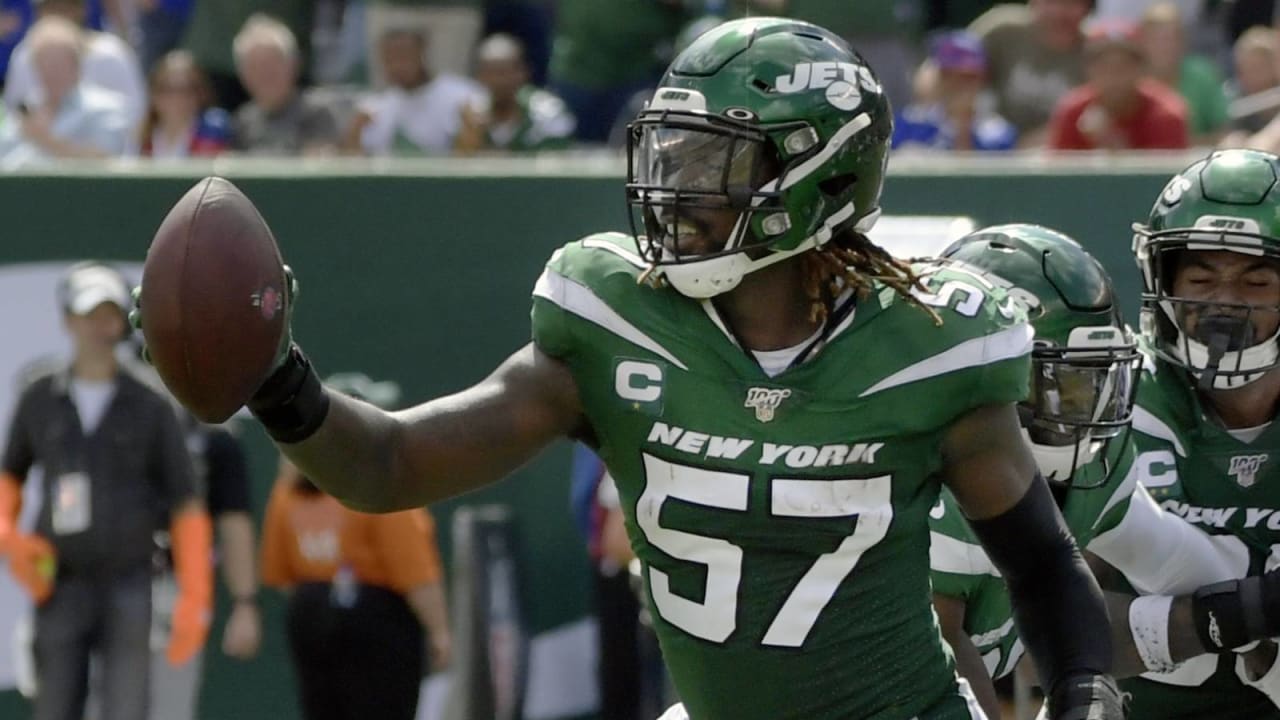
[[627, 255], [949, 555], [1009, 343], [578, 299], [1148, 424]]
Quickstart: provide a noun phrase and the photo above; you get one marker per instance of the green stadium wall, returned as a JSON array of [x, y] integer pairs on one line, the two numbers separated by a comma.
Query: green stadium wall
[[424, 278]]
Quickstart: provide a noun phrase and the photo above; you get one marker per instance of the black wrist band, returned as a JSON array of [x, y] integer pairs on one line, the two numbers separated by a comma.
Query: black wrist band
[[292, 403], [1229, 614]]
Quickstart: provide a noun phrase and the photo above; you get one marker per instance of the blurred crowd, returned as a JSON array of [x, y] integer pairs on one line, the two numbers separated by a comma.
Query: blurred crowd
[[180, 78]]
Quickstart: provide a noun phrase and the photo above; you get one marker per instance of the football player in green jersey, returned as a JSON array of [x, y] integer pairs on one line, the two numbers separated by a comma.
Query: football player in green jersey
[[1084, 371], [1204, 427], [777, 399]]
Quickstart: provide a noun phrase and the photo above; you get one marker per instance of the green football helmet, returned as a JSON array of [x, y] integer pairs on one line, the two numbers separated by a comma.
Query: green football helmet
[[775, 119], [1085, 361], [1227, 201]]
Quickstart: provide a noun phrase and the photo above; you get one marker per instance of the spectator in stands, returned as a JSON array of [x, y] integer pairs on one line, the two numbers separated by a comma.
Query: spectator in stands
[[605, 52], [513, 115], [420, 113], [279, 119], [106, 61], [181, 122], [1119, 107], [115, 471], [72, 118], [1195, 78], [366, 596], [452, 28], [1257, 69], [957, 113], [211, 32], [1035, 55]]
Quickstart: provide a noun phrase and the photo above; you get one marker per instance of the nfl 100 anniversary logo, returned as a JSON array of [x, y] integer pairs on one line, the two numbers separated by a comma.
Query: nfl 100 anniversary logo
[[765, 401], [1244, 468]]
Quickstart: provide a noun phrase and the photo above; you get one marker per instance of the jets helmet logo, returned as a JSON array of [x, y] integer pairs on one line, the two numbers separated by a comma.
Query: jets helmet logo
[[765, 401], [1244, 468], [844, 82]]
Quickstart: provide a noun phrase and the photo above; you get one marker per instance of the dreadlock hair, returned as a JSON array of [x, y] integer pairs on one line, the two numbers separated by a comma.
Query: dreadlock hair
[[851, 260]]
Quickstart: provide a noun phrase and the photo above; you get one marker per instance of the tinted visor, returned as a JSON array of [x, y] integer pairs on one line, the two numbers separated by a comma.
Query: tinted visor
[[682, 166], [1075, 391], [696, 161]]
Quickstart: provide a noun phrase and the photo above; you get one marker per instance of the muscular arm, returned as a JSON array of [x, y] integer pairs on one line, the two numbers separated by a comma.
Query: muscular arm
[[988, 466], [993, 476], [968, 661], [376, 461]]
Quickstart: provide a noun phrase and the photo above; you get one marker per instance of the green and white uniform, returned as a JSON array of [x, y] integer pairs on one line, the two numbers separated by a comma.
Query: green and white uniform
[[1225, 484], [962, 570], [544, 123], [1084, 369], [783, 521]]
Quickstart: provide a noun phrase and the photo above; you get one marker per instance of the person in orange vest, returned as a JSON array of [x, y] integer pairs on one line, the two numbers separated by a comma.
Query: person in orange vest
[[367, 608]]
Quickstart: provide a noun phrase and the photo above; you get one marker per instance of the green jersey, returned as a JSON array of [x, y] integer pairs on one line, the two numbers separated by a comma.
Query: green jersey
[[783, 521], [961, 569], [1220, 483], [544, 123]]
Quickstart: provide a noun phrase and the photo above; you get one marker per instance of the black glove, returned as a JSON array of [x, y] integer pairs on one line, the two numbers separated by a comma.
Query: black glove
[[1086, 697], [1235, 613]]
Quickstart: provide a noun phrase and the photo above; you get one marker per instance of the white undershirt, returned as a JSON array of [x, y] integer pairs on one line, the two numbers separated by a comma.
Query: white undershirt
[[91, 398], [773, 362], [1248, 435]]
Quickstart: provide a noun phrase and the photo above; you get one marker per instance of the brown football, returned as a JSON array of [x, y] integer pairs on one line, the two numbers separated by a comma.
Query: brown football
[[213, 299]]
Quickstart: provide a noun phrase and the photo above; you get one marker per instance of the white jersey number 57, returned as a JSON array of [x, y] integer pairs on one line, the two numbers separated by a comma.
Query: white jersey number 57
[[715, 618]]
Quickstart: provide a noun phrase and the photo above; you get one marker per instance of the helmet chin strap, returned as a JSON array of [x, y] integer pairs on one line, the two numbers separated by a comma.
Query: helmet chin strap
[[702, 279]]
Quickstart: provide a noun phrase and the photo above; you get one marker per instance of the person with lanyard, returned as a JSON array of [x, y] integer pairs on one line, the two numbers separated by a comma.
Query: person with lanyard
[[113, 460]]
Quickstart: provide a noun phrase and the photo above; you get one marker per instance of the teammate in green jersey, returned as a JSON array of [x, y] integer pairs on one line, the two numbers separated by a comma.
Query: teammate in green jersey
[[1204, 430], [1084, 371], [778, 400]]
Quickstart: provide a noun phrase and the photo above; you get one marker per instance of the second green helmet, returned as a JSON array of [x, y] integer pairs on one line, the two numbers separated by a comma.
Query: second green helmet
[[1084, 363]]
